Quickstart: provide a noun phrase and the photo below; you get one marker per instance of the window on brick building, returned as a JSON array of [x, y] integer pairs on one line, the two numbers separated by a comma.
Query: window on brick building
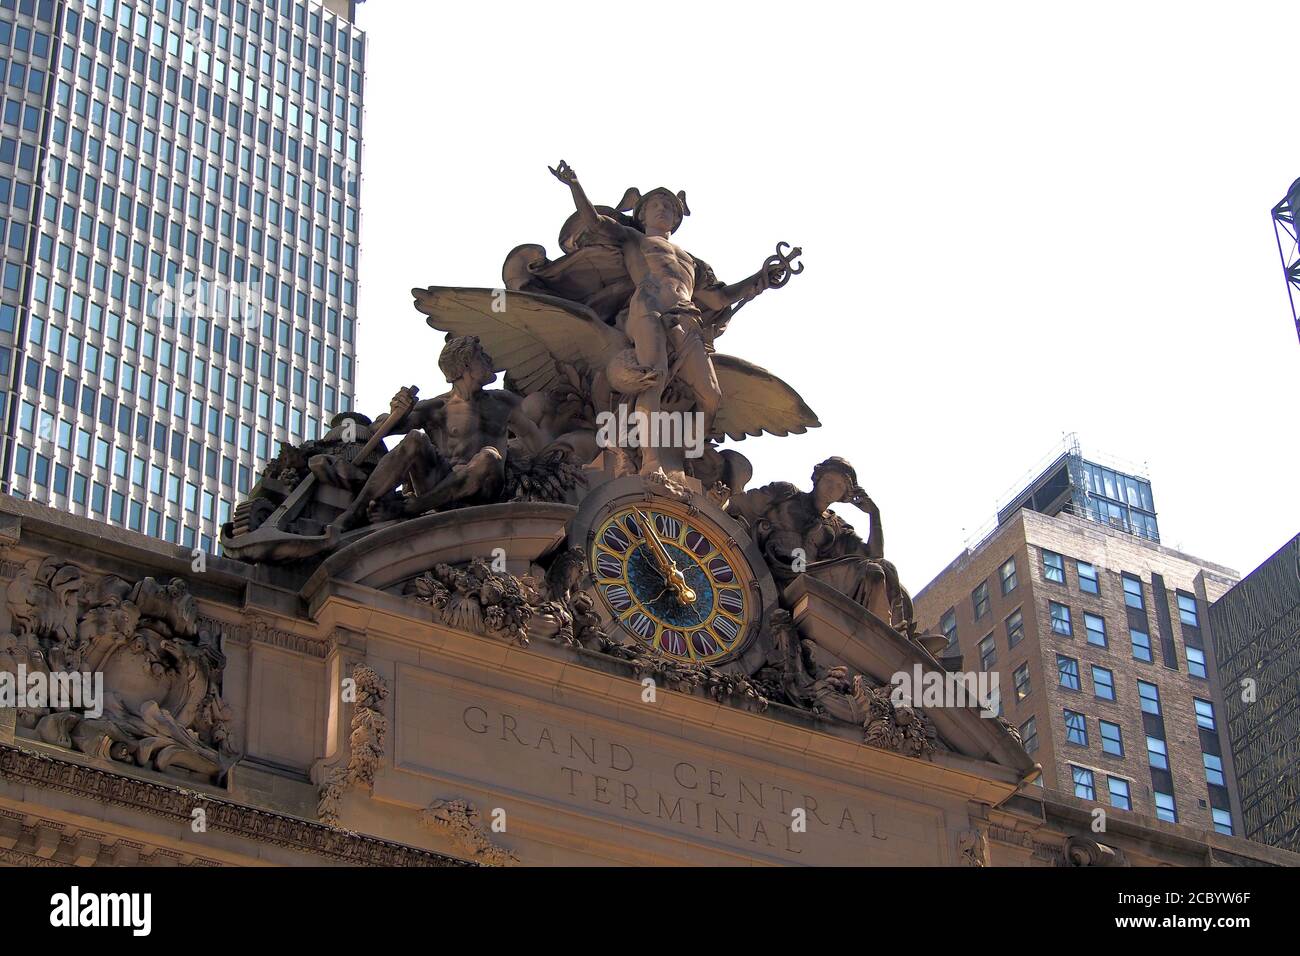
[[1021, 679], [1015, 628], [1103, 683], [1112, 738], [948, 625], [979, 599], [1141, 644], [1196, 662], [1149, 695], [1053, 567], [1204, 714], [1214, 769], [1076, 728], [1165, 807], [1119, 796], [1068, 669], [1133, 592], [1088, 583], [1157, 753], [1029, 735], [1083, 783], [988, 653], [1096, 628], [1060, 615], [1007, 575]]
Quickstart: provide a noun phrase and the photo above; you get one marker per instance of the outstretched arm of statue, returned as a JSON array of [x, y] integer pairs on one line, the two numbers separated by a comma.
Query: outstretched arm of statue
[[722, 296], [775, 273], [587, 214]]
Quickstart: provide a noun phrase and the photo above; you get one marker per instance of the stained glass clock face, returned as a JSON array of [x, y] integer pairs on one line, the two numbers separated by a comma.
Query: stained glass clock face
[[678, 585]]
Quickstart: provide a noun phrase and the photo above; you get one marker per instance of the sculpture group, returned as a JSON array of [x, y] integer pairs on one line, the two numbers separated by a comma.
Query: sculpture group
[[613, 392], [621, 327], [625, 323]]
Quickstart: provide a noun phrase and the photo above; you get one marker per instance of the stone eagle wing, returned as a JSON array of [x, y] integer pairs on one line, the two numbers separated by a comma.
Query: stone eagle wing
[[756, 401], [526, 333]]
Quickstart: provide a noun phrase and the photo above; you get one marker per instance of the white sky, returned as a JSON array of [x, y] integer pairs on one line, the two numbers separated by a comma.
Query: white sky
[[1018, 220]]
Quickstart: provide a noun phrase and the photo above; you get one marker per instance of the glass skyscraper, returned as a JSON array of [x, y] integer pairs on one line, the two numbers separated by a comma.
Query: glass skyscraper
[[179, 217]]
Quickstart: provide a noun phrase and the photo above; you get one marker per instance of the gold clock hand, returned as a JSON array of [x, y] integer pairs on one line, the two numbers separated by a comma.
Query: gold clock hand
[[672, 576], [662, 559]]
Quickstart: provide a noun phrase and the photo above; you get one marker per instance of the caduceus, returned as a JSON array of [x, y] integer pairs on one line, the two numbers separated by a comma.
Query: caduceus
[[781, 265]]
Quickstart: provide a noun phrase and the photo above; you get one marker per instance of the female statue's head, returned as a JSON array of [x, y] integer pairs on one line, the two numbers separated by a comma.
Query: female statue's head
[[832, 481]]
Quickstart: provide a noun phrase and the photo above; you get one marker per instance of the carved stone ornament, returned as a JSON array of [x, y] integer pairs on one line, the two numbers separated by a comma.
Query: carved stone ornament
[[795, 677], [482, 601], [142, 644], [369, 733], [972, 848], [464, 824], [1085, 851]]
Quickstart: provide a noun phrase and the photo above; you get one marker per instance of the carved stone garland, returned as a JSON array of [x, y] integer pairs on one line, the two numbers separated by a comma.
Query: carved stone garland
[[462, 821], [481, 600], [365, 742]]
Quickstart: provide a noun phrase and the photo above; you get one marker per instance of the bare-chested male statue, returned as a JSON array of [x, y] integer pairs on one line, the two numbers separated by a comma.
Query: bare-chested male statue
[[665, 308], [455, 445]]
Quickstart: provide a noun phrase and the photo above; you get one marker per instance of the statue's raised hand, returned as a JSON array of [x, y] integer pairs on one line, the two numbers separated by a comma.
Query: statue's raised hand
[[859, 498], [402, 403], [780, 266], [773, 274], [564, 173]]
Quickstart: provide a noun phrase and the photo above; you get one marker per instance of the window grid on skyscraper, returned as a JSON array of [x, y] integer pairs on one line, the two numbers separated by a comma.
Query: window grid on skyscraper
[[164, 159]]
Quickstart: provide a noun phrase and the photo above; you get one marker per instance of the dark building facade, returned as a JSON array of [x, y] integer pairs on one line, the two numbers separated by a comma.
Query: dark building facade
[[1256, 632]]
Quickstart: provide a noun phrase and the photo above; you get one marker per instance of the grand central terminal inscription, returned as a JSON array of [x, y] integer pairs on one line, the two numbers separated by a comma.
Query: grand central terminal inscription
[[528, 757]]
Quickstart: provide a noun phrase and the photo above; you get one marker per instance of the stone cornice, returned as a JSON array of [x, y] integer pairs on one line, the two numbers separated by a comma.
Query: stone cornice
[[174, 803], [261, 631]]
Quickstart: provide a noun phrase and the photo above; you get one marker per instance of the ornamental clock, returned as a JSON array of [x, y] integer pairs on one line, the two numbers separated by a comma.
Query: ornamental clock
[[675, 572]]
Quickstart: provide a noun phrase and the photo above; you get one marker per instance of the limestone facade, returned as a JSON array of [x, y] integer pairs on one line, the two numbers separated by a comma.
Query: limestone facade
[[361, 727]]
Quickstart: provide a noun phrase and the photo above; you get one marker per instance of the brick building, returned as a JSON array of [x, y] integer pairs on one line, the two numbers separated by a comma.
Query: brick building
[[1099, 636]]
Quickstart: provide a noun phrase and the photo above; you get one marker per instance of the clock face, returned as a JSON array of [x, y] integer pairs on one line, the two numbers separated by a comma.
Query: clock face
[[703, 616]]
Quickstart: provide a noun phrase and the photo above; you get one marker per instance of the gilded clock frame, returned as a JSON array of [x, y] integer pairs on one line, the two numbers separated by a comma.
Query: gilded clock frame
[[748, 651]]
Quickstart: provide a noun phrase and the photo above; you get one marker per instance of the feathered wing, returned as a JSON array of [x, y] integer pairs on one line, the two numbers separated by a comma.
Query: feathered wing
[[529, 333], [756, 401], [532, 332]]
